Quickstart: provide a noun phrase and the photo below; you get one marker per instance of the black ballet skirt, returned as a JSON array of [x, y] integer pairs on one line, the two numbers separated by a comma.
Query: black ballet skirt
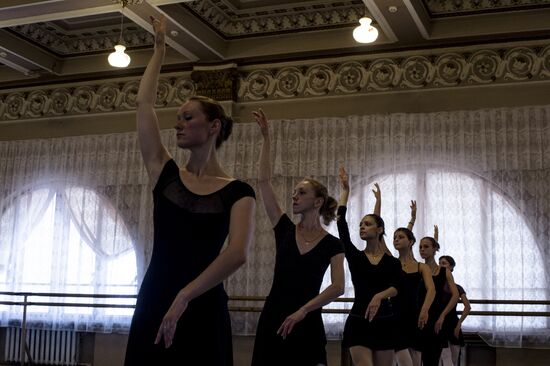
[[189, 231], [368, 280], [297, 279]]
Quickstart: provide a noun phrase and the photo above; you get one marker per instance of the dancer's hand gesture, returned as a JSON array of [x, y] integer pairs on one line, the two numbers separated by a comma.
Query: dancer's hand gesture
[[290, 322], [377, 193], [261, 120], [373, 307], [422, 319], [159, 27], [344, 179], [169, 322]]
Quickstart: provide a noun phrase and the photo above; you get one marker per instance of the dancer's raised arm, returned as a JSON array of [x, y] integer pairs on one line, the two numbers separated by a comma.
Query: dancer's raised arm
[[344, 187], [154, 153], [269, 198], [413, 216], [378, 211], [378, 196]]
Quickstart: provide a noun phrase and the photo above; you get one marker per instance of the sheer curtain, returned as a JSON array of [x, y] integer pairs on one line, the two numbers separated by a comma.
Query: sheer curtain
[[481, 175], [70, 223]]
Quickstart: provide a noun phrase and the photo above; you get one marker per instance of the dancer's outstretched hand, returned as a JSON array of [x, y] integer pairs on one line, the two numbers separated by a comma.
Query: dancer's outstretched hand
[[290, 322], [373, 307], [159, 26], [261, 120], [344, 179], [413, 209], [422, 319], [457, 331], [439, 325], [169, 322], [376, 191]]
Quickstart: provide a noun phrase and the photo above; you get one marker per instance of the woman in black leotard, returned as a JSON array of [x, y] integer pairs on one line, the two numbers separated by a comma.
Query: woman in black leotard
[[413, 308], [370, 330], [452, 325], [290, 329], [181, 315], [434, 340]]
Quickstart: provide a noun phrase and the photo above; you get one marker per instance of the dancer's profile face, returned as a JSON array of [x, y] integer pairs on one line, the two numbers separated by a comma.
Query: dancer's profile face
[[368, 228], [400, 240], [426, 249], [303, 197], [445, 263], [192, 125]]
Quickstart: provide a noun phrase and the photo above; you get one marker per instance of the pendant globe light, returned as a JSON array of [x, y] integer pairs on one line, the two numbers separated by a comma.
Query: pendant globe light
[[119, 58], [365, 32]]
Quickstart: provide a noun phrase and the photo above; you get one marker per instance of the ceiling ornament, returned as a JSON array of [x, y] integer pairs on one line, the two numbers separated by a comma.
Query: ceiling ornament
[[100, 40], [233, 23]]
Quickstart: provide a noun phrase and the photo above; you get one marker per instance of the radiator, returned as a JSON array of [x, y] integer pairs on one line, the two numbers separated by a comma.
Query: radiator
[[47, 347]]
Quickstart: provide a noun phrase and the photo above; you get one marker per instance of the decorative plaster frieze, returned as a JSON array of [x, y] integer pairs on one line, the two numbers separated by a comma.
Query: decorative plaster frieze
[[232, 23], [455, 7], [351, 76], [89, 99], [449, 69]]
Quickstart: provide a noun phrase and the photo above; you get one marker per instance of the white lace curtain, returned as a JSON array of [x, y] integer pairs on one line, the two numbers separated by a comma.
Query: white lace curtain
[[482, 176]]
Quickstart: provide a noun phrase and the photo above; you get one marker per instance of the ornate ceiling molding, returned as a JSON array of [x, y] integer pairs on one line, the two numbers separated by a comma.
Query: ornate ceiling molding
[[387, 74], [233, 23], [352, 76], [456, 7], [98, 40]]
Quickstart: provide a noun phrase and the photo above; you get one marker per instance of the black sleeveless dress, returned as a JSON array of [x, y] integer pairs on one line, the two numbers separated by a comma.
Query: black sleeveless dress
[[189, 231], [451, 320], [409, 302], [432, 343], [297, 279]]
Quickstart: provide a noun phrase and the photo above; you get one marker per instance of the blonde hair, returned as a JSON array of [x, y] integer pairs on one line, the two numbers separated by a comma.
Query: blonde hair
[[328, 209]]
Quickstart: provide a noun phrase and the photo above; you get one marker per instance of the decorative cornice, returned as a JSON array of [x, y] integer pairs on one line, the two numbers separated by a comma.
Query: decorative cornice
[[72, 44], [351, 76], [232, 23], [387, 74], [456, 7], [90, 99]]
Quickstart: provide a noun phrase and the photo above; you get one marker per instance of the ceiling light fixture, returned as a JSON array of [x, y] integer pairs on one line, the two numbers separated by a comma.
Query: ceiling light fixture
[[119, 58], [365, 32]]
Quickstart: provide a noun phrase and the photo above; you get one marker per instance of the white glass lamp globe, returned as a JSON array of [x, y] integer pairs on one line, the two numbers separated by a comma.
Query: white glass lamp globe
[[365, 33], [119, 58]]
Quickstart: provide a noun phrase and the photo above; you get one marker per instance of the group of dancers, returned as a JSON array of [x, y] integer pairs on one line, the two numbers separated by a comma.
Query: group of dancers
[[403, 311]]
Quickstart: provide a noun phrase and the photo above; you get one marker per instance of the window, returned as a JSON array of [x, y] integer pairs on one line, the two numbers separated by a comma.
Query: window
[[60, 239]]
